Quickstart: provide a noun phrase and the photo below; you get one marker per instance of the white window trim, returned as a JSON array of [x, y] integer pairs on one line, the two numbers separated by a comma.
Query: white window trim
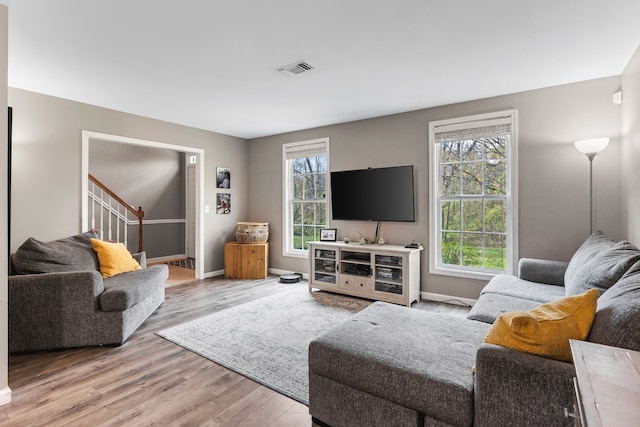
[[512, 189], [287, 250]]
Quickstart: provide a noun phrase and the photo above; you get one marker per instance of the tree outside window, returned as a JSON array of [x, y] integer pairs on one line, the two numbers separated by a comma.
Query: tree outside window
[[305, 194], [473, 202], [309, 199], [472, 199]]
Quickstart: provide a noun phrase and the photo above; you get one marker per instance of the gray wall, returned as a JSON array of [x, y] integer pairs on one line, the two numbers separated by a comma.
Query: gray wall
[[631, 148], [153, 178], [553, 175], [47, 178]]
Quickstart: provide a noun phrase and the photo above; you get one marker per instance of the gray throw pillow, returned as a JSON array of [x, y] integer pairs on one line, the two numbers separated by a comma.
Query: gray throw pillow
[[73, 253], [617, 321], [594, 244], [604, 269]]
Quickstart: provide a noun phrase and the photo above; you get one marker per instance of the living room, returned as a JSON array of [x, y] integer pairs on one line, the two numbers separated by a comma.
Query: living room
[[553, 190]]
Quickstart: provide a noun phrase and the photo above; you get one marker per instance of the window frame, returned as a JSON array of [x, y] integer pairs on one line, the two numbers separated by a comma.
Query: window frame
[[435, 218], [287, 184]]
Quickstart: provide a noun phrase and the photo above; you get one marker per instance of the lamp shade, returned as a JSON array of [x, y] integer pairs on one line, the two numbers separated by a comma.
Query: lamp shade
[[592, 146]]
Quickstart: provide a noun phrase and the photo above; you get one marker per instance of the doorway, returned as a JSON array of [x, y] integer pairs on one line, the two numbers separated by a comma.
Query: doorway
[[195, 197], [190, 214]]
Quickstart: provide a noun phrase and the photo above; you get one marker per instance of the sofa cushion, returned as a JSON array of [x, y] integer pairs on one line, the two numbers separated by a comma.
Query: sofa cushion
[[128, 289], [542, 271], [546, 330], [505, 284], [604, 269], [73, 253], [490, 306], [417, 359], [596, 243], [617, 321], [114, 258]]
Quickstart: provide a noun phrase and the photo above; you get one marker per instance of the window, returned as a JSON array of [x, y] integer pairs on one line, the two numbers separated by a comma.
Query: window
[[473, 204], [306, 166]]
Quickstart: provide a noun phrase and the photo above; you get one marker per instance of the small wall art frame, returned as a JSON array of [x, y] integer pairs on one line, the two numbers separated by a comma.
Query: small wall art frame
[[223, 203], [328, 234], [223, 177]]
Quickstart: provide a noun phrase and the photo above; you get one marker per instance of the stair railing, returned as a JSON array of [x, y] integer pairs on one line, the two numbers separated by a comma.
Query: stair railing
[[116, 210]]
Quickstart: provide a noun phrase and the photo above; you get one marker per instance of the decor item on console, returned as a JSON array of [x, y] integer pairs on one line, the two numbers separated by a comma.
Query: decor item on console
[[391, 365], [364, 240], [58, 297], [252, 232], [328, 234]]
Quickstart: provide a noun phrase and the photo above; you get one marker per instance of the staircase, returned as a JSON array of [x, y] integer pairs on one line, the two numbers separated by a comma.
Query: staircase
[[112, 216]]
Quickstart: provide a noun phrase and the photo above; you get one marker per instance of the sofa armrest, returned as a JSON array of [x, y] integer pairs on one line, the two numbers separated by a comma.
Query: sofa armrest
[[542, 271], [517, 388], [68, 292], [53, 310], [141, 257]]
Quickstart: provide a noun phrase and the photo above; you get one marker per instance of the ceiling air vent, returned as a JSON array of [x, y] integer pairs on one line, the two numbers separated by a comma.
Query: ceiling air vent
[[295, 68]]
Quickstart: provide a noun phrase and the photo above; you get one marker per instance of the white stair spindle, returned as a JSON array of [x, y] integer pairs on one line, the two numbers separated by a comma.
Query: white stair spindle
[[118, 220], [93, 205], [110, 212], [101, 214]]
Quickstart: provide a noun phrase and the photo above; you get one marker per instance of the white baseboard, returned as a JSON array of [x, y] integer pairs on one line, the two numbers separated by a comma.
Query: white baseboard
[[5, 396], [271, 270], [161, 259], [281, 272], [213, 274], [449, 299]]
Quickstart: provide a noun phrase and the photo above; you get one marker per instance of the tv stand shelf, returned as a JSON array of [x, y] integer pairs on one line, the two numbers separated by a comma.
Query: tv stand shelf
[[379, 272]]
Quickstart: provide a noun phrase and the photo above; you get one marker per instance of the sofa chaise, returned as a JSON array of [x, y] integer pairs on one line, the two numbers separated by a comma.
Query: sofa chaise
[[58, 297], [394, 366]]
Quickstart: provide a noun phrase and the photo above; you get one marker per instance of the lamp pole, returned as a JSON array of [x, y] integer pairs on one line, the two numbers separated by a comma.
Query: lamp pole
[[591, 148], [591, 156]]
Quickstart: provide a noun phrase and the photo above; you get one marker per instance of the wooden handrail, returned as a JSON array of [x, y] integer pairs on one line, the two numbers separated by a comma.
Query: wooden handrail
[[137, 213]]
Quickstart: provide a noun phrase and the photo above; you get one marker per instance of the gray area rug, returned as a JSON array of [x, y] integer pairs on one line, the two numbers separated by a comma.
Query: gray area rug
[[267, 339]]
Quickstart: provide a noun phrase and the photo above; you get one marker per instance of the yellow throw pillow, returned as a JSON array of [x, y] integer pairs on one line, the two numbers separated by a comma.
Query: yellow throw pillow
[[546, 330], [114, 258]]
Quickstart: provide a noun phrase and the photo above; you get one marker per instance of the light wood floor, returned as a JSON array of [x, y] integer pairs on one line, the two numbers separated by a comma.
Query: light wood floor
[[179, 275], [151, 381]]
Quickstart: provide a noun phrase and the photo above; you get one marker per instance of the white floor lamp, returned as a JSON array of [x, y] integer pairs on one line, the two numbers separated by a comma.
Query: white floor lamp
[[591, 148]]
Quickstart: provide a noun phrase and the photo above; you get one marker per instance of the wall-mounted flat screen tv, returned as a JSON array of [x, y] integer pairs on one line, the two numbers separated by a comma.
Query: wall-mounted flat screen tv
[[374, 194]]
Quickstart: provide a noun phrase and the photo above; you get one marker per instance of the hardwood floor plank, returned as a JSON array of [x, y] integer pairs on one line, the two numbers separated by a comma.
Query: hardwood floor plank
[[259, 408], [188, 409], [52, 410], [146, 401], [296, 416]]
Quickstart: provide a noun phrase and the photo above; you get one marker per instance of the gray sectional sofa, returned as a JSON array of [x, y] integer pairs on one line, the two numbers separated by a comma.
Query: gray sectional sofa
[[58, 298], [394, 366]]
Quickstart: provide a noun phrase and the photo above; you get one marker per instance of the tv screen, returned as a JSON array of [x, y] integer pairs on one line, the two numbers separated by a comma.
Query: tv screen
[[381, 194]]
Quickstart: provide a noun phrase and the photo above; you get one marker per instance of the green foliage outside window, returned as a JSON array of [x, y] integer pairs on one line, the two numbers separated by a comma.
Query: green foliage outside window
[[309, 202], [473, 204]]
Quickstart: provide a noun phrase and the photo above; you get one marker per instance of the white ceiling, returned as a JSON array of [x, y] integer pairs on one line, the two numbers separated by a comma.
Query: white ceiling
[[210, 64]]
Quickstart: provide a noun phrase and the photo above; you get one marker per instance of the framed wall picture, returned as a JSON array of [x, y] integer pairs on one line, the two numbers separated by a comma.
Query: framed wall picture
[[223, 203], [328, 234], [223, 177]]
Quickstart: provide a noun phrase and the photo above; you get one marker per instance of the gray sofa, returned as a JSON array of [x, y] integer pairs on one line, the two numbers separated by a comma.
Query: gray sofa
[[58, 298], [394, 366]]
